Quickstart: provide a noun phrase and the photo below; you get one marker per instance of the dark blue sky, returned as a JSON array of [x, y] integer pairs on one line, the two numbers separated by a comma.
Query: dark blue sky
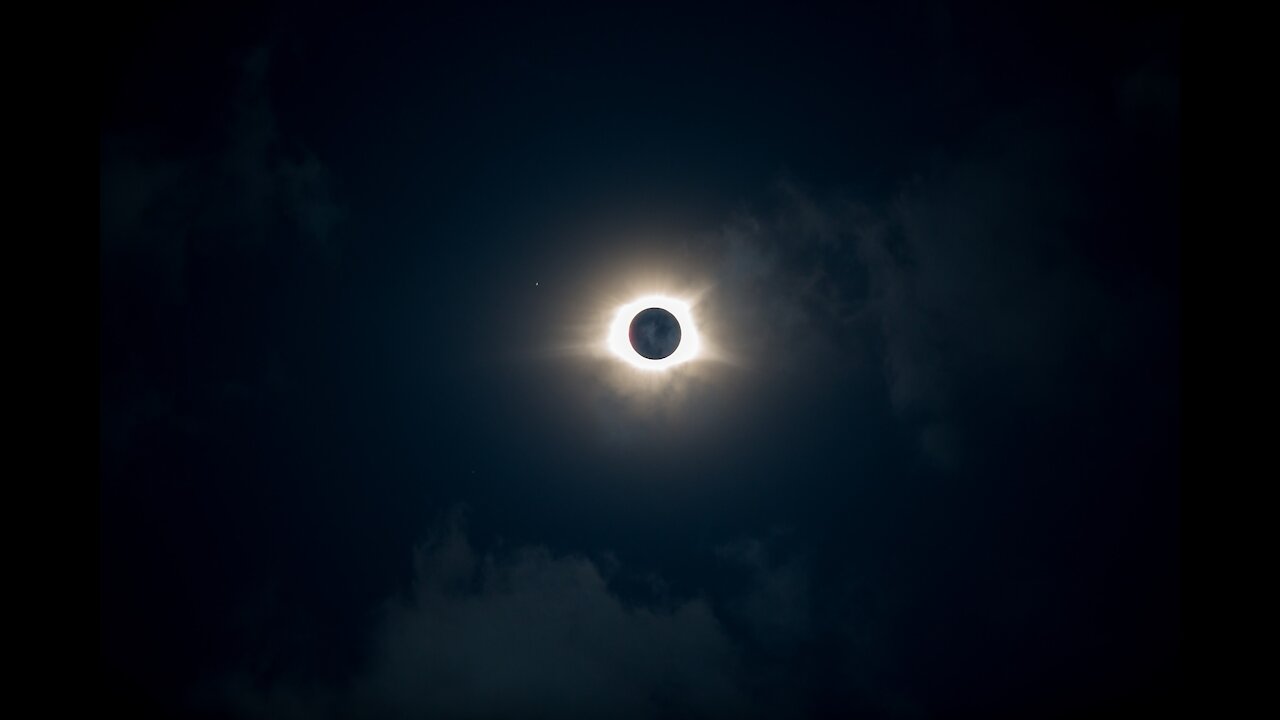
[[362, 454]]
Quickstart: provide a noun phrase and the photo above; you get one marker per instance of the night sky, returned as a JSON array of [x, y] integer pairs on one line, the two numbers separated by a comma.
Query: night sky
[[365, 452]]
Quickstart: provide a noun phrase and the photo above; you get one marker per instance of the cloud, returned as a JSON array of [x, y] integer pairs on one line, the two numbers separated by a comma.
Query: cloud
[[524, 633], [274, 172], [250, 189], [989, 270], [775, 604], [215, 220]]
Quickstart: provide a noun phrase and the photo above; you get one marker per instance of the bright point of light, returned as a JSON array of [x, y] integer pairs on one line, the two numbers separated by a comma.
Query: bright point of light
[[619, 343]]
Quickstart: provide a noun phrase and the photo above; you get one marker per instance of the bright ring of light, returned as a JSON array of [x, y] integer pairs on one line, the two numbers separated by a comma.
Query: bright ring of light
[[620, 344]]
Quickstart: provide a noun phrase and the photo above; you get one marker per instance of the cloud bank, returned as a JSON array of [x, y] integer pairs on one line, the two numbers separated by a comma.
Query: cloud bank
[[523, 633]]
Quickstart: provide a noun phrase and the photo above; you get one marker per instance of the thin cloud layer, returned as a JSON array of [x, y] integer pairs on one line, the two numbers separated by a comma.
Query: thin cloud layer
[[250, 192], [981, 272]]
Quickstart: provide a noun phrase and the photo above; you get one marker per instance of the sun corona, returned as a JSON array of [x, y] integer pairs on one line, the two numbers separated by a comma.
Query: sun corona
[[619, 342]]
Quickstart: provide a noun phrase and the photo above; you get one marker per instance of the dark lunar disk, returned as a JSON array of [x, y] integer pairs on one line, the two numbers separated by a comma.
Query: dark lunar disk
[[654, 333]]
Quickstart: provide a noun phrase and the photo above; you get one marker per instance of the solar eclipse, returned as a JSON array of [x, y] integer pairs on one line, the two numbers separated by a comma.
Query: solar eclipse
[[654, 333]]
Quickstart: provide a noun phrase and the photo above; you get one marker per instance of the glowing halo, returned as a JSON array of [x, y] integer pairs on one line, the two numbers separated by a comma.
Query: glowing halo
[[619, 343]]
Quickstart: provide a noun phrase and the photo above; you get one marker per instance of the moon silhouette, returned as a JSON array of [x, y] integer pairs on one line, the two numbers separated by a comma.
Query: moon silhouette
[[654, 333]]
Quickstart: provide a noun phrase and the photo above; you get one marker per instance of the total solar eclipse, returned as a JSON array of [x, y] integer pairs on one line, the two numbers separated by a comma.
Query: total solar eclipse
[[654, 333]]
